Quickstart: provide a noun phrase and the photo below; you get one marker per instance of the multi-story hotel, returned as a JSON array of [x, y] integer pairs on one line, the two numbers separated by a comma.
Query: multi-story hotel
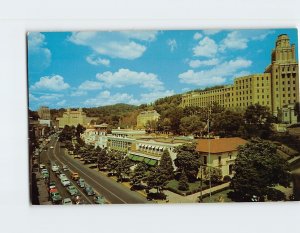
[[146, 116], [276, 88], [44, 113], [74, 117]]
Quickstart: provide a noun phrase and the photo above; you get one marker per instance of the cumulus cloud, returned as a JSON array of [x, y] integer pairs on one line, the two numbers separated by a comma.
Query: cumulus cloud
[[198, 63], [39, 56], [172, 44], [122, 44], [52, 96], [197, 36], [90, 85], [52, 83], [216, 75], [94, 60], [106, 98], [240, 39], [78, 93], [126, 77], [32, 97], [206, 48]]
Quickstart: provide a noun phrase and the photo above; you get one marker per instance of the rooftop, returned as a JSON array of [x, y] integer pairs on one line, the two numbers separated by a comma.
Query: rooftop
[[219, 145]]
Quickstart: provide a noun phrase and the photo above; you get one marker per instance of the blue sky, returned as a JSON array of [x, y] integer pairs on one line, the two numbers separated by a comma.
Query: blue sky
[[88, 69]]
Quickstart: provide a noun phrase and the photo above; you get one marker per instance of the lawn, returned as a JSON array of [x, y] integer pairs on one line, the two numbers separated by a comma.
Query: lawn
[[173, 184], [219, 197]]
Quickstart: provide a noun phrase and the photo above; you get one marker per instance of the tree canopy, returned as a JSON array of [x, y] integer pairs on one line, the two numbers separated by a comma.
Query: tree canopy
[[257, 169]]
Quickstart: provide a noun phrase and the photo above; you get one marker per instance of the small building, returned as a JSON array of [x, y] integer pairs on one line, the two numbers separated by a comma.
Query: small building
[[223, 152], [288, 114], [146, 116]]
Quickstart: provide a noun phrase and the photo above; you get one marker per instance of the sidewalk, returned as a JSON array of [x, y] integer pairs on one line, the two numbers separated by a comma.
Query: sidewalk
[[42, 190], [176, 198]]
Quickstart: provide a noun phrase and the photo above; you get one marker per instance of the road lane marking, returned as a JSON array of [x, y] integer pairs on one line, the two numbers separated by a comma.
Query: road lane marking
[[87, 198]]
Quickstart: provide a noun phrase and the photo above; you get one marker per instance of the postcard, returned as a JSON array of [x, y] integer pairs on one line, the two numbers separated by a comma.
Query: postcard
[[162, 117]]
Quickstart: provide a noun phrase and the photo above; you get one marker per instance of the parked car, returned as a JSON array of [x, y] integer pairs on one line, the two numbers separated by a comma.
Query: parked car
[[56, 198], [81, 183], [99, 200], [54, 168], [75, 176], [65, 168], [67, 201], [76, 156], [52, 184], [89, 191], [72, 190], [42, 166], [51, 147], [65, 182], [62, 176]]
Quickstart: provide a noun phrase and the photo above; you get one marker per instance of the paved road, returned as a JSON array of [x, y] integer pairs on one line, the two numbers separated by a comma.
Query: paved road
[[114, 192]]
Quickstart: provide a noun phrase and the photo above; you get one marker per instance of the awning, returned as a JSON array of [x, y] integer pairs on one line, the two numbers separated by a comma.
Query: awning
[[152, 162], [130, 156], [146, 160], [137, 158]]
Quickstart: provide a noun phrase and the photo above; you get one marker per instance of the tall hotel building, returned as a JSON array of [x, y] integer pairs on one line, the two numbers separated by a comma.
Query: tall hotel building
[[276, 88]]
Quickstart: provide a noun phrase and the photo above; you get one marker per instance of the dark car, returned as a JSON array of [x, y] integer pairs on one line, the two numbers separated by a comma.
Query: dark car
[[89, 191]]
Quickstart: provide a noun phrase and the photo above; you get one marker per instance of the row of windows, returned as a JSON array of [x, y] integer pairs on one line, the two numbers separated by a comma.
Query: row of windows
[[283, 89]]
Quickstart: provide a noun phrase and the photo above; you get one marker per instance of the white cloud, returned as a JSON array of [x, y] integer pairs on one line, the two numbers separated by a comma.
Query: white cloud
[[206, 47], [234, 40], [240, 39], [210, 32], [106, 98], [61, 103], [39, 55], [115, 44], [197, 36], [32, 98], [198, 63], [185, 89], [216, 75], [53, 83], [125, 77], [90, 85], [172, 44], [93, 60], [78, 93], [152, 96], [52, 96]]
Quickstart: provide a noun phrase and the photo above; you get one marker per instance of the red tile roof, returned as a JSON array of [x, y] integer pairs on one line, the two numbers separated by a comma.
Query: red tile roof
[[220, 145]]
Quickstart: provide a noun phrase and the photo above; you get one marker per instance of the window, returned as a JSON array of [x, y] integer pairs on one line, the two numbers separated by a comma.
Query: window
[[219, 160], [283, 95]]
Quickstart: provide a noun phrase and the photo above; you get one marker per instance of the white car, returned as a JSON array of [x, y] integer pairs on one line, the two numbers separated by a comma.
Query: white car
[[51, 147], [62, 176], [65, 182], [67, 201], [54, 168]]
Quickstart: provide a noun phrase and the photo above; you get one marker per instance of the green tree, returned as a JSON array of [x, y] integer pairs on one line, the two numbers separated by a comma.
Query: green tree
[[123, 167], [166, 165], [188, 160], [258, 168], [102, 159], [157, 179], [183, 182], [139, 174], [191, 125], [227, 124], [214, 174], [258, 121], [79, 130]]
